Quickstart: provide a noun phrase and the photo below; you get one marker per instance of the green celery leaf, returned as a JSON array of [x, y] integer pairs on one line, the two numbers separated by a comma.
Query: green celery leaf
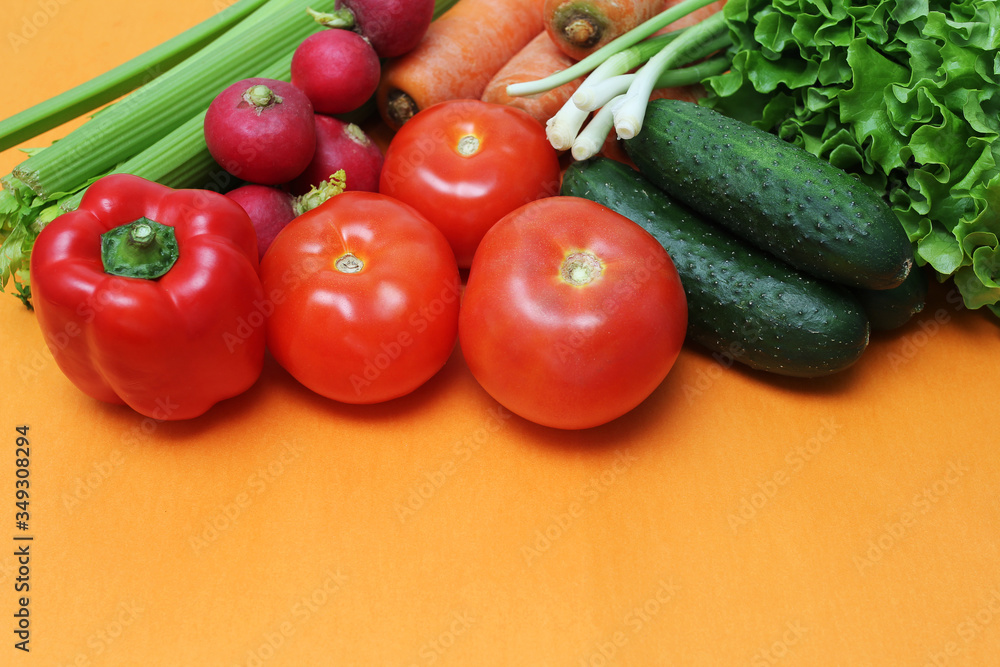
[[13, 254]]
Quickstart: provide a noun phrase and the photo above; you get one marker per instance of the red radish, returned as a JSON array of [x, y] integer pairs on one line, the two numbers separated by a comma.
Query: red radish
[[393, 27], [337, 69], [341, 145], [261, 130], [270, 208]]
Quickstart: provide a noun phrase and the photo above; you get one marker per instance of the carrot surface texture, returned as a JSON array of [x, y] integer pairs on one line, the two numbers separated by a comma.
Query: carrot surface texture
[[580, 27], [538, 59], [457, 57]]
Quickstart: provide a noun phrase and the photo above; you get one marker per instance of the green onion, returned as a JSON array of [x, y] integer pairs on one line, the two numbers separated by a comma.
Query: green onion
[[609, 95], [589, 142], [599, 94], [619, 64], [588, 64], [562, 128], [120, 80], [708, 36], [139, 120], [609, 81]]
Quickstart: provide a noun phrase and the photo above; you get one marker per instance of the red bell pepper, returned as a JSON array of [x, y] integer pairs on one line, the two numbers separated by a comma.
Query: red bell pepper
[[150, 296]]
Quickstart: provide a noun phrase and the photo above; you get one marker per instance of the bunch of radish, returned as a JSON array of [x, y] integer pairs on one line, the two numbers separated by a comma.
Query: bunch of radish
[[291, 143]]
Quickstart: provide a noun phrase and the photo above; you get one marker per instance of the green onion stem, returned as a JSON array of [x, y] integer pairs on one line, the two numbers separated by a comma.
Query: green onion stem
[[139, 120], [619, 64], [120, 80], [708, 36], [562, 128], [590, 141], [588, 64], [672, 78]]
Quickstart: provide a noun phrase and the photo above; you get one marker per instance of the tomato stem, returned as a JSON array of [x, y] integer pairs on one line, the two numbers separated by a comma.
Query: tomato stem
[[468, 145], [581, 268], [348, 263]]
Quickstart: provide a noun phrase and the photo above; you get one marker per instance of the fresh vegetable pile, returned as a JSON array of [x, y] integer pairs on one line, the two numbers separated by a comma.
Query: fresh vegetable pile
[[324, 198], [903, 95], [157, 130]]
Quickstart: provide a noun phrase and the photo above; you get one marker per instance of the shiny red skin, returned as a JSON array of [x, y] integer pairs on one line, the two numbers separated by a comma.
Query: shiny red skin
[[341, 145], [337, 70], [563, 355], [369, 336], [269, 208], [394, 27], [267, 148], [169, 348], [464, 195]]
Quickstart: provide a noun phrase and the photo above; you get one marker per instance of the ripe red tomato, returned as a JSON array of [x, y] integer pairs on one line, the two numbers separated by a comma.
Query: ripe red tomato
[[363, 294], [465, 164], [572, 313]]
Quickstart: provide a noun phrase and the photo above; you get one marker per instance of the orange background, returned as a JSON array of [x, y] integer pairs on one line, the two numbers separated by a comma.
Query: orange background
[[732, 519]]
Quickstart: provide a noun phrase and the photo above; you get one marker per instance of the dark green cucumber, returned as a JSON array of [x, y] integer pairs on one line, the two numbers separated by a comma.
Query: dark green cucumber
[[742, 302], [892, 308], [774, 194]]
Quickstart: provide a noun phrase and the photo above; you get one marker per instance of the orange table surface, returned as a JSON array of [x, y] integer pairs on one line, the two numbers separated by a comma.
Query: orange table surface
[[734, 518]]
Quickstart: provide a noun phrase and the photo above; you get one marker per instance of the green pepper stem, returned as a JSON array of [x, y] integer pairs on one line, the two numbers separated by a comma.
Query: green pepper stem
[[140, 249]]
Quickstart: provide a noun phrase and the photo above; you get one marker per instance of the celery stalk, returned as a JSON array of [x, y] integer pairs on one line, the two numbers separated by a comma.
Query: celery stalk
[[159, 107], [120, 80]]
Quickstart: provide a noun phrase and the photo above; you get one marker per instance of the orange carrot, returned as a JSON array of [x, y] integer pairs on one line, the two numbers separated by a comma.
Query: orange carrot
[[537, 60], [458, 56], [580, 27]]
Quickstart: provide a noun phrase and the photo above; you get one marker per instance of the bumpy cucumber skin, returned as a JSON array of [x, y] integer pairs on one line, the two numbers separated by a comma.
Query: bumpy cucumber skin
[[776, 195], [742, 302], [889, 309]]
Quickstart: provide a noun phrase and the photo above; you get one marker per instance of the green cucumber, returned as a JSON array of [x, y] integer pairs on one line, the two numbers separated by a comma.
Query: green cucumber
[[774, 194], [742, 302], [889, 309]]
